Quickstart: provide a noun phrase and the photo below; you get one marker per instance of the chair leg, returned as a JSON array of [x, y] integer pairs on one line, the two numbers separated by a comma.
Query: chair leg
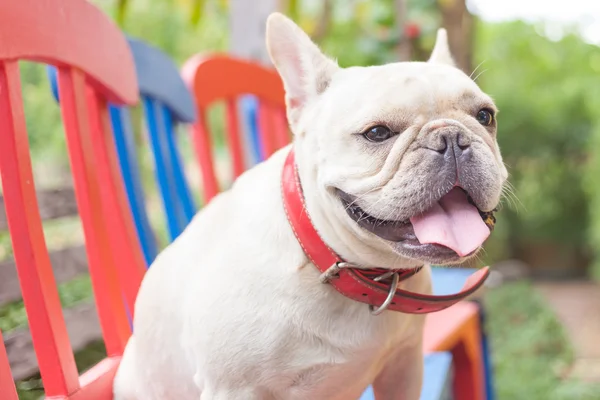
[[468, 365]]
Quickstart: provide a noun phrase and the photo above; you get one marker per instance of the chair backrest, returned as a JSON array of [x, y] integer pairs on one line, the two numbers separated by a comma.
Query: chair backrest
[[95, 66], [224, 78], [167, 102]]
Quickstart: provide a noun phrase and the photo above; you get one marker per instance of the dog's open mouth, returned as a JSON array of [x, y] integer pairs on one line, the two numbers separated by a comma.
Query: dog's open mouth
[[453, 228]]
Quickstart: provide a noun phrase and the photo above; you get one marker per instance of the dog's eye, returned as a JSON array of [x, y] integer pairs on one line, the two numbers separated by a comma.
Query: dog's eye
[[485, 117], [378, 133]]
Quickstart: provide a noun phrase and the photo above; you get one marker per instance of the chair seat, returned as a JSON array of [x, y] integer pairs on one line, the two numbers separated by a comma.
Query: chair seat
[[449, 280], [437, 379]]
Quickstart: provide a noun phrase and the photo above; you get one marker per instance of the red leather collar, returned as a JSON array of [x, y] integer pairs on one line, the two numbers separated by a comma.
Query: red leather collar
[[370, 286]]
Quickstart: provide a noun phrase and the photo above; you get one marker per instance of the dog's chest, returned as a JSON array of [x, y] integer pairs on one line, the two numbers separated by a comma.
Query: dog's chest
[[342, 376], [339, 360]]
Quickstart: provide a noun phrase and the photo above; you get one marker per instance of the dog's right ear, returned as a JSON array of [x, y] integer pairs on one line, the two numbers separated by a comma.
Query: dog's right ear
[[441, 50], [305, 70]]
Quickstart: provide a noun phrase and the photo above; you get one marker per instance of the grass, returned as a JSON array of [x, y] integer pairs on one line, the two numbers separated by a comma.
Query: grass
[[13, 315], [32, 388], [530, 351]]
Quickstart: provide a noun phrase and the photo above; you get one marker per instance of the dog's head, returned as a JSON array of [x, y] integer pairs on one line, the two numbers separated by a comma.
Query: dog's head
[[398, 161]]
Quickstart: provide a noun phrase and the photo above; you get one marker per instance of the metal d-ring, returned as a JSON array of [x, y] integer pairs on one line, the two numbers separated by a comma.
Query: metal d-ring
[[390, 296]]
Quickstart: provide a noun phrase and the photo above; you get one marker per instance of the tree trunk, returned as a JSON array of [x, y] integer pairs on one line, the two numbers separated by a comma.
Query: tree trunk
[[459, 23], [404, 48], [247, 27]]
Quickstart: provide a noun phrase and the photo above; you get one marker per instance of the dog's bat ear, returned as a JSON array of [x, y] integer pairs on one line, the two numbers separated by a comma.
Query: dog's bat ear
[[306, 72], [441, 51]]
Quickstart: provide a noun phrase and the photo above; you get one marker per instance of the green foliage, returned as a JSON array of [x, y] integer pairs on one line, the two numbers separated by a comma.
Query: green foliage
[[365, 32], [529, 348], [168, 27], [42, 114], [546, 94]]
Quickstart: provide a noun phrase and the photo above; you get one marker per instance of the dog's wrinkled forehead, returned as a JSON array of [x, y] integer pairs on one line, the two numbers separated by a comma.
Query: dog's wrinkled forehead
[[400, 91], [404, 83]]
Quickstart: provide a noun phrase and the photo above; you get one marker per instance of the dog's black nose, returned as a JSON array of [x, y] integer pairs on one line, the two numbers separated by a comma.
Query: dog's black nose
[[453, 142]]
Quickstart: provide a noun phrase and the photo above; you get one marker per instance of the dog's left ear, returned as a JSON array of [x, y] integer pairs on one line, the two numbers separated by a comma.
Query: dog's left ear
[[441, 51], [306, 72]]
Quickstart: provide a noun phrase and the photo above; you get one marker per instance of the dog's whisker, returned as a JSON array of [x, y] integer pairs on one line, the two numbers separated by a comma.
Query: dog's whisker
[[476, 68], [508, 193], [361, 196], [479, 74]]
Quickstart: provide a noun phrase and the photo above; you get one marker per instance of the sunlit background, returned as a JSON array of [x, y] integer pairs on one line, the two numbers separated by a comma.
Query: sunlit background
[[539, 60]]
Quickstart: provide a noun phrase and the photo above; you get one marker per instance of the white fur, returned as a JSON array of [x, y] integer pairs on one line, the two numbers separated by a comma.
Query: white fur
[[233, 309]]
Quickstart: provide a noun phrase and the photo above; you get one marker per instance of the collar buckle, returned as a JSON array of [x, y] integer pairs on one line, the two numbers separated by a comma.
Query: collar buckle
[[333, 272]]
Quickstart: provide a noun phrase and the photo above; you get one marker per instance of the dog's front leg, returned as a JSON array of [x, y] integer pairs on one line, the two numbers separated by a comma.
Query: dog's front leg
[[402, 376]]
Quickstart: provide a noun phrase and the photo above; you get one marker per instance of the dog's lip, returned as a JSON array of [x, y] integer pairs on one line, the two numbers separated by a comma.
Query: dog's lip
[[401, 233], [355, 212], [393, 231]]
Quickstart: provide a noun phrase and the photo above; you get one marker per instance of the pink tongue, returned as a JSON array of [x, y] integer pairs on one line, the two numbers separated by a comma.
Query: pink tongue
[[452, 222]]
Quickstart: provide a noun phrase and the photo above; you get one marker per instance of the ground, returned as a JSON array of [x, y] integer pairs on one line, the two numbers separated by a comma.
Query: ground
[[532, 352], [577, 306]]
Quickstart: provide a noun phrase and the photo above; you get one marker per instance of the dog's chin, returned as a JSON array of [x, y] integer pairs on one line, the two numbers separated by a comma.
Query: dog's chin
[[401, 236]]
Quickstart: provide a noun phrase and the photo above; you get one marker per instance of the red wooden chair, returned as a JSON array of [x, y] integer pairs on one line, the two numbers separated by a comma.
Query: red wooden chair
[[224, 78], [457, 330], [95, 66]]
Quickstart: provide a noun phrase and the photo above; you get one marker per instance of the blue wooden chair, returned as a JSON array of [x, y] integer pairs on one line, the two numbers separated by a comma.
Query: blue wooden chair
[[166, 102]]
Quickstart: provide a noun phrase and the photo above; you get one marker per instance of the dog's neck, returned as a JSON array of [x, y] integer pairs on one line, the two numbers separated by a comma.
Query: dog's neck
[[378, 288]]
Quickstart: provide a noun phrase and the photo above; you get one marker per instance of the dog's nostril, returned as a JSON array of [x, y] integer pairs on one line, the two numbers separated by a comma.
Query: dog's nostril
[[454, 140], [444, 145]]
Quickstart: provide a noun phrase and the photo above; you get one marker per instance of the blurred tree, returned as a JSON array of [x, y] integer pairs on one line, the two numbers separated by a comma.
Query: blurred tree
[[549, 120], [546, 93], [459, 23]]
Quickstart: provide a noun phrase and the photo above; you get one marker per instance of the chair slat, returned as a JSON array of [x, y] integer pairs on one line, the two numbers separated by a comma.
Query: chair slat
[[40, 296], [266, 128], [203, 146], [183, 193], [123, 240], [128, 160], [163, 166], [233, 138], [113, 320], [249, 110]]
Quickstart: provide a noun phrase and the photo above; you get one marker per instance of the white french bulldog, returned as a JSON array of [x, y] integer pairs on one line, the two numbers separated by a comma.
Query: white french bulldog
[[397, 163]]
